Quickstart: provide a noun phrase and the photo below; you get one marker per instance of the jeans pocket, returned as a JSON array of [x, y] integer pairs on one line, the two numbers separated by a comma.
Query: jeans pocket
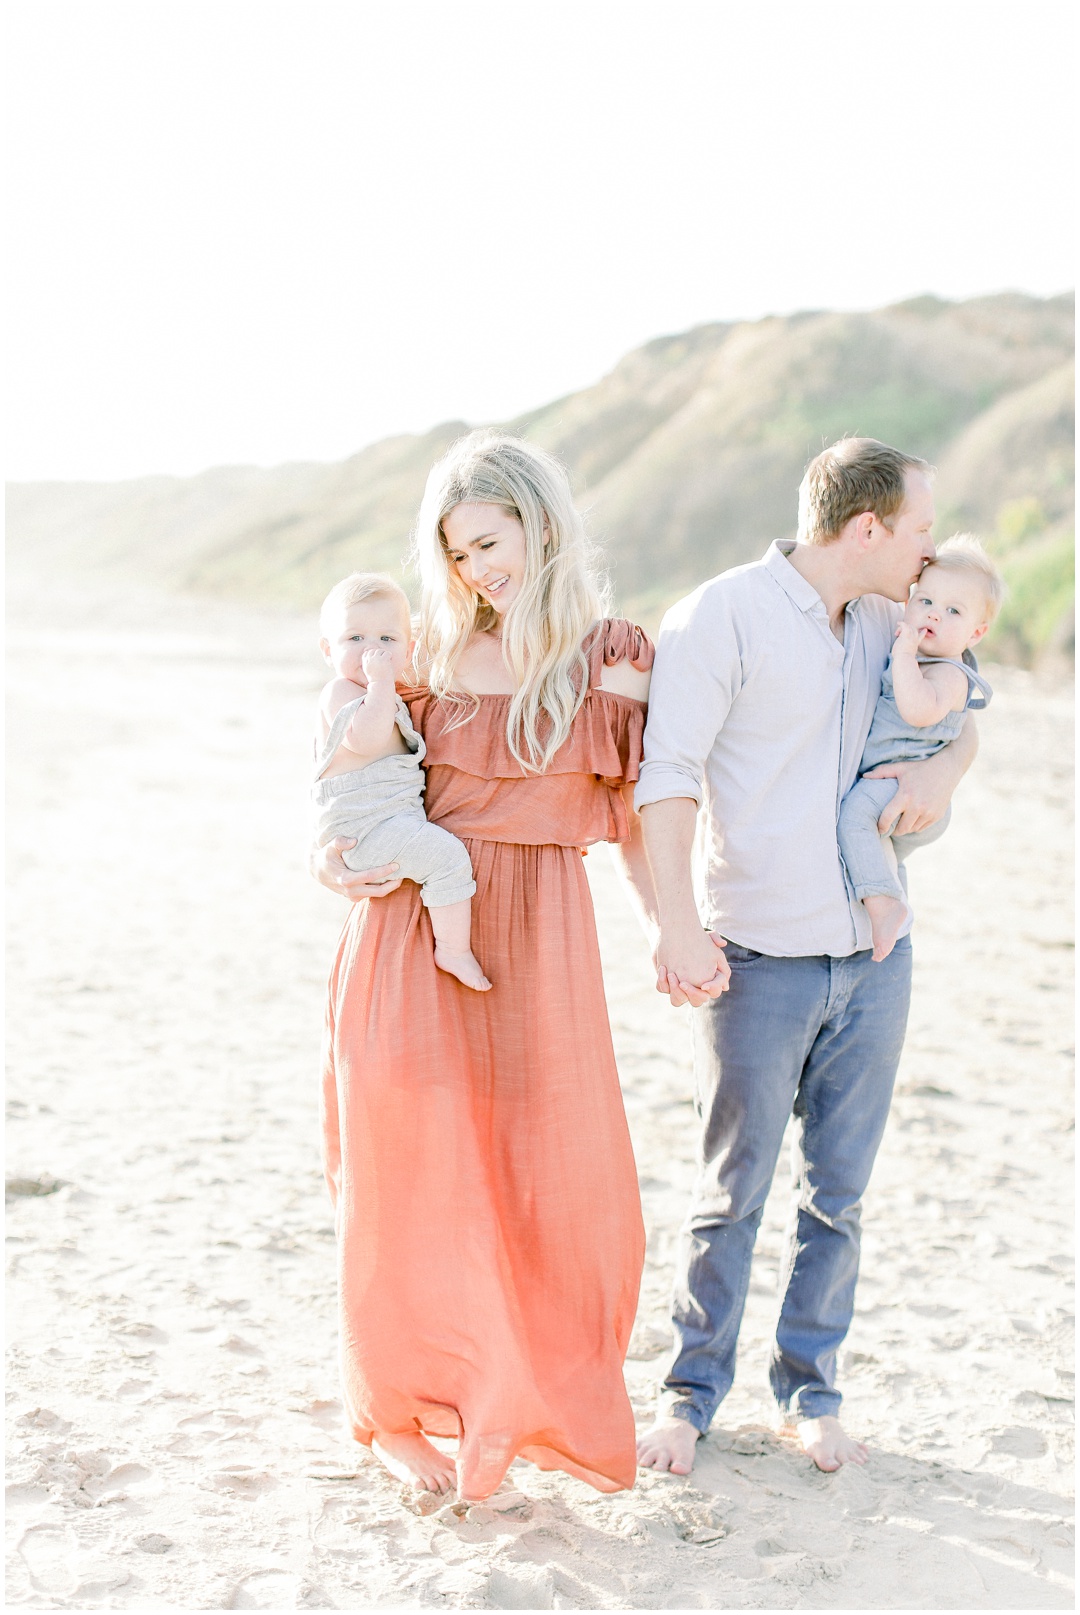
[[736, 954]]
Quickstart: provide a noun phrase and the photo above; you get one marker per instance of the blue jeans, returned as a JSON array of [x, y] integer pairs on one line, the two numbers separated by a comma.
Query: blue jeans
[[821, 1037]]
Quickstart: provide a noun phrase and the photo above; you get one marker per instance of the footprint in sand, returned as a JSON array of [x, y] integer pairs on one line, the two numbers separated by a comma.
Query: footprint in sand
[[116, 1485], [243, 1481], [277, 1589], [524, 1588], [47, 1552], [1019, 1441], [44, 1419], [356, 1528]]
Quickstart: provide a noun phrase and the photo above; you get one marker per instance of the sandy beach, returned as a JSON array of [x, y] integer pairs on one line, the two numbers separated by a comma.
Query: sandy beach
[[175, 1433]]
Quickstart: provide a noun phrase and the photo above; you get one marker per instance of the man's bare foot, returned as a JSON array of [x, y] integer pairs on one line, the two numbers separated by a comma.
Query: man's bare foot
[[887, 915], [668, 1444], [410, 1457], [465, 966], [825, 1442]]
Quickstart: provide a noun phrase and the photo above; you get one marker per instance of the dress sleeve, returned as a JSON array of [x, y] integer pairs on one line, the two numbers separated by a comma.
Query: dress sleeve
[[615, 640], [624, 641], [611, 725]]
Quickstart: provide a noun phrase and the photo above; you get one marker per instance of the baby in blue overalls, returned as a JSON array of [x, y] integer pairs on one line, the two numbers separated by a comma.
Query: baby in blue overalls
[[930, 683], [369, 784]]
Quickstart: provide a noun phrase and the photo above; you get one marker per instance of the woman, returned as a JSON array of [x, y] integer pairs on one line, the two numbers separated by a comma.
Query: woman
[[476, 1147]]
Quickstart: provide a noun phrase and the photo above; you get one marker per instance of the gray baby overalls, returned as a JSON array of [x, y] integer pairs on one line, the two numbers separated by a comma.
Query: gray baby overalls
[[893, 740], [382, 806]]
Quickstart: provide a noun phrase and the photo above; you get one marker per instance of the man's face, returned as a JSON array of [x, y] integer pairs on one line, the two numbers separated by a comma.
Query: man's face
[[905, 546]]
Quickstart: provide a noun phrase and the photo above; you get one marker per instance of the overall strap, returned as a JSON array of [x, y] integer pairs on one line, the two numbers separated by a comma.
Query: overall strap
[[335, 736], [979, 691]]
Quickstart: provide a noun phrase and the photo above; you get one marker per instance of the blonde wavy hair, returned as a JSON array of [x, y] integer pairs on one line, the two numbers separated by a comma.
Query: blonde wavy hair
[[561, 596]]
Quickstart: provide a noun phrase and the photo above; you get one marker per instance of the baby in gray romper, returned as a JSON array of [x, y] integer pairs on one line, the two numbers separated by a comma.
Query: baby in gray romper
[[931, 681], [368, 780]]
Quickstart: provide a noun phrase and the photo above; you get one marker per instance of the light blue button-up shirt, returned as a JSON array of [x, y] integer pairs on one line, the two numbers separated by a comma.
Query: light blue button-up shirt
[[760, 714]]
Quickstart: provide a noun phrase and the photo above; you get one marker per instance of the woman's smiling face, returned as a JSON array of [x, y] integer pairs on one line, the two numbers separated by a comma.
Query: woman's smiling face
[[487, 548]]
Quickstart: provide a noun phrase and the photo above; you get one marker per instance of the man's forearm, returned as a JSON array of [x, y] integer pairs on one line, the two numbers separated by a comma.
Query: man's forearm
[[669, 828]]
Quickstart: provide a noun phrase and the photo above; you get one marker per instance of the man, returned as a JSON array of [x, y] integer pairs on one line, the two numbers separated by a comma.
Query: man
[[762, 696]]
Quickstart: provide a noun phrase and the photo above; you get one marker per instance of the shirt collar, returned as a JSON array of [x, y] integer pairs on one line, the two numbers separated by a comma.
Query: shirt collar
[[792, 582]]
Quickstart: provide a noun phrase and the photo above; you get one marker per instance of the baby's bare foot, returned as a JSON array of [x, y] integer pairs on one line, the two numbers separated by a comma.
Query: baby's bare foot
[[825, 1441], [668, 1444], [410, 1457], [887, 915], [464, 966]]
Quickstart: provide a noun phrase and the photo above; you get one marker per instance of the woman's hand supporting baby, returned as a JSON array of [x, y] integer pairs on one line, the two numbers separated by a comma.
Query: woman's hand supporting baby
[[331, 871]]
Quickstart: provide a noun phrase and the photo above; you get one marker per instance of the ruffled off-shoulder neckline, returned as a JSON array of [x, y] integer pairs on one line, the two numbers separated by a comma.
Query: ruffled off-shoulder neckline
[[605, 739], [613, 640]]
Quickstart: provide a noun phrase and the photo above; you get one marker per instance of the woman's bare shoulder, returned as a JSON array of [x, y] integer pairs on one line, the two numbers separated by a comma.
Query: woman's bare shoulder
[[626, 679]]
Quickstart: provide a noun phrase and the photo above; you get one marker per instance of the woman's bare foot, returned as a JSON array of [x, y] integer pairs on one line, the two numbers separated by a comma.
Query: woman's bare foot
[[825, 1442], [887, 916], [668, 1444], [465, 966], [410, 1457]]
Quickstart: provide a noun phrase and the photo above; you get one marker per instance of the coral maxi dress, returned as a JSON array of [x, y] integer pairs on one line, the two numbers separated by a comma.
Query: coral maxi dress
[[489, 1227]]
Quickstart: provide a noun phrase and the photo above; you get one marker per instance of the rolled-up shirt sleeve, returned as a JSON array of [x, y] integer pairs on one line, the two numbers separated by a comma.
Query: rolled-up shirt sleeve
[[697, 674]]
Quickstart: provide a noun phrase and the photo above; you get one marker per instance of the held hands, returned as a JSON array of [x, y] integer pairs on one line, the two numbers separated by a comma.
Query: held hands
[[691, 968], [331, 871]]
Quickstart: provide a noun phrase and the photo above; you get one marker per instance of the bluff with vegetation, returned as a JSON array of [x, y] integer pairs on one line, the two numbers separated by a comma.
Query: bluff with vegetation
[[686, 457]]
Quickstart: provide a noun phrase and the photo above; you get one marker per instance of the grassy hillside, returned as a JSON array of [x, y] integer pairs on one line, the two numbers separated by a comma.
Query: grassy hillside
[[687, 458]]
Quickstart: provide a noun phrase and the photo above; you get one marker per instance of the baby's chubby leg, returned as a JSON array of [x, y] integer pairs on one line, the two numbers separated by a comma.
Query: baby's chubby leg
[[452, 925], [441, 864], [871, 862]]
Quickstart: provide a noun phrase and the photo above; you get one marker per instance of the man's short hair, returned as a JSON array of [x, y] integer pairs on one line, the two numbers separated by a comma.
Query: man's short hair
[[358, 587], [854, 475], [963, 552]]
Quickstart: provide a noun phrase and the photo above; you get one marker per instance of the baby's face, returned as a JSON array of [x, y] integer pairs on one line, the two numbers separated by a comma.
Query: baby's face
[[380, 623], [947, 610]]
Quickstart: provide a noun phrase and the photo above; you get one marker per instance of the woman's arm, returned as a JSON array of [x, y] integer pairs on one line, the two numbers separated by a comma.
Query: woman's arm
[[625, 679], [633, 870]]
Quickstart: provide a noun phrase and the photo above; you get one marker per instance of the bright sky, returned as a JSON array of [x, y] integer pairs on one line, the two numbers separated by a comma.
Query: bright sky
[[256, 231]]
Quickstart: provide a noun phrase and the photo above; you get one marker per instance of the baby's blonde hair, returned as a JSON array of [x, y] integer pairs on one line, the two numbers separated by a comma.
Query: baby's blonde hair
[[963, 552], [358, 587]]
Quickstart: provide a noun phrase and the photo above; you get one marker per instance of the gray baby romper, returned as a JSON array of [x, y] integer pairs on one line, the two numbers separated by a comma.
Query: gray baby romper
[[381, 805], [893, 740]]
